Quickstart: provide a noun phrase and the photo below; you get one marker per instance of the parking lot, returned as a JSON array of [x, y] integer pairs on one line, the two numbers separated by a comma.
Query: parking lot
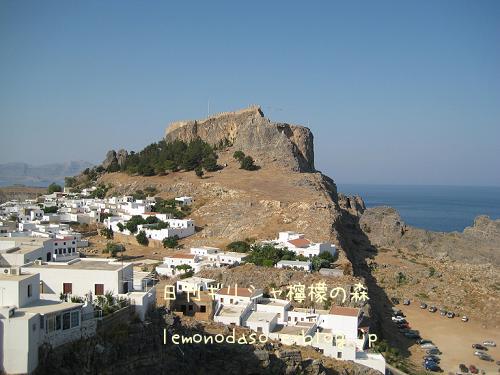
[[453, 337]]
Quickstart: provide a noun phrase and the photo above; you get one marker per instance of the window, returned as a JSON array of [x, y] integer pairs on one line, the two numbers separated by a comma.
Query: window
[[50, 324], [66, 320], [29, 291], [99, 289], [42, 322], [203, 309], [190, 308], [75, 319], [222, 300], [339, 354], [58, 322], [67, 288]]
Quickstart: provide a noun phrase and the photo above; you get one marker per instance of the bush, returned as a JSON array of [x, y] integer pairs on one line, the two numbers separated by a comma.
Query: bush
[[50, 210], [113, 249], [248, 164], [107, 232], [142, 239], [239, 155], [239, 247], [171, 242], [199, 172]]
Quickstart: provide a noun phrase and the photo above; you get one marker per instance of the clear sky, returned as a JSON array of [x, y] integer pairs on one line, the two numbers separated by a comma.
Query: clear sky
[[396, 92]]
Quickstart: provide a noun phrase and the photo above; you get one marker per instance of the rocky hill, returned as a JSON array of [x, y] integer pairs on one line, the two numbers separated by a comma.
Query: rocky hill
[[479, 243], [284, 145]]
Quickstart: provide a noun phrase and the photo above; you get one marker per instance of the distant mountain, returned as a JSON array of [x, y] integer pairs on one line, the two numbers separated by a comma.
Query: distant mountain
[[41, 175]]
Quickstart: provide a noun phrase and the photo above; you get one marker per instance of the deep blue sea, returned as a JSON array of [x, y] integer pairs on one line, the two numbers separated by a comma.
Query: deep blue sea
[[437, 208]]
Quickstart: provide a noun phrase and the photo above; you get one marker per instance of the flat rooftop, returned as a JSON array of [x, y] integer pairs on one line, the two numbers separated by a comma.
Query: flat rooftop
[[4, 277], [260, 316], [231, 310], [290, 330], [80, 264], [46, 306], [273, 302], [196, 279]]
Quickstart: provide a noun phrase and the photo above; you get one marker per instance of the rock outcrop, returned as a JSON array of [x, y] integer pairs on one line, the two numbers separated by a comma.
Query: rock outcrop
[[113, 157], [284, 145], [476, 244]]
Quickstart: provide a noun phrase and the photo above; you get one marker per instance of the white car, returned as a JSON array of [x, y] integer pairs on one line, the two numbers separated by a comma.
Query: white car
[[428, 346], [489, 343]]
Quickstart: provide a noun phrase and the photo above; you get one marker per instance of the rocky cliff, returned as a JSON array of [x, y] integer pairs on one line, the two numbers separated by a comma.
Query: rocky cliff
[[478, 243], [284, 145]]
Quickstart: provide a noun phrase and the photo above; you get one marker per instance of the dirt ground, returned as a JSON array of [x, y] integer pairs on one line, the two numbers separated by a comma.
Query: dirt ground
[[453, 337]]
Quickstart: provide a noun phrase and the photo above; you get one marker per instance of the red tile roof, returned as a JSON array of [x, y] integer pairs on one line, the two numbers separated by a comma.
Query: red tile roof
[[345, 311], [300, 242]]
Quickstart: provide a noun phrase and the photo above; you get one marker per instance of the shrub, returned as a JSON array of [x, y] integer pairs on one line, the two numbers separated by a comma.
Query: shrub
[[142, 239], [239, 247], [170, 242], [107, 232], [239, 155]]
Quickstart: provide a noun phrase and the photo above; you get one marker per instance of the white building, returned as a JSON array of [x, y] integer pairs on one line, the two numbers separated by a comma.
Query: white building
[[170, 264], [300, 245], [194, 284], [83, 275], [27, 322], [295, 264], [185, 201]]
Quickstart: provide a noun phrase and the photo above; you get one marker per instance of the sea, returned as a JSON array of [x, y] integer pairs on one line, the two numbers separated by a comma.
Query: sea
[[436, 208]]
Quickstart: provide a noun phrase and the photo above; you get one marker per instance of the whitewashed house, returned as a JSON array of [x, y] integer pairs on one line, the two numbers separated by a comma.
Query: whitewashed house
[[27, 322], [81, 276], [170, 264]]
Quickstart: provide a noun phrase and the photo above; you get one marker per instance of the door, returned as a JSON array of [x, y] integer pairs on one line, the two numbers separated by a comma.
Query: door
[[49, 256], [67, 288], [99, 289]]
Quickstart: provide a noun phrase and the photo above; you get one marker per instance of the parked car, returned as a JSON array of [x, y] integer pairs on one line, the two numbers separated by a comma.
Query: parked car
[[443, 312], [485, 357], [489, 343], [423, 305], [465, 318], [395, 300], [450, 314], [479, 347], [463, 368], [432, 357], [477, 353], [428, 346], [433, 351], [432, 309], [413, 335], [406, 302], [431, 366], [422, 341], [473, 369]]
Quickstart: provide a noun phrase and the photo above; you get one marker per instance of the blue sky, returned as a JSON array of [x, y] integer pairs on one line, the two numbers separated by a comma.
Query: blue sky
[[396, 92]]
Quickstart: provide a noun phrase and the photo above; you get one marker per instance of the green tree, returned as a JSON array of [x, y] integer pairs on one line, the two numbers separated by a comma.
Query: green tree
[[142, 239], [248, 164], [54, 188], [239, 155], [171, 242], [120, 227], [239, 246], [50, 210], [69, 181], [209, 163], [113, 249]]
